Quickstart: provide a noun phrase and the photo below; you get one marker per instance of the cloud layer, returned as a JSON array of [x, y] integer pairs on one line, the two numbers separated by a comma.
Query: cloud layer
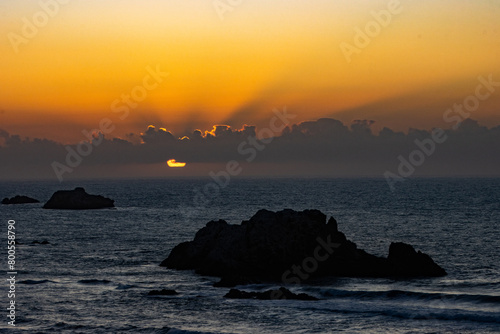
[[325, 147]]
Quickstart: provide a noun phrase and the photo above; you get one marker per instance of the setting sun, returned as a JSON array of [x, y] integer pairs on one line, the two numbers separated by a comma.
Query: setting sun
[[174, 164]]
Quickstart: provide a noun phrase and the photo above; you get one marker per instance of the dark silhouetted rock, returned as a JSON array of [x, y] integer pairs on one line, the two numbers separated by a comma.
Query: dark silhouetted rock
[[77, 199], [19, 200], [405, 261], [291, 247], [281, 293], [163, 292]]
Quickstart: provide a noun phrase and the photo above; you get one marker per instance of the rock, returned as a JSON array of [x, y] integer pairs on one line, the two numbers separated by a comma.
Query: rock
[[281, 293], [163, 292], [77, 199], [19, 200], [405, 261], [291, 247]]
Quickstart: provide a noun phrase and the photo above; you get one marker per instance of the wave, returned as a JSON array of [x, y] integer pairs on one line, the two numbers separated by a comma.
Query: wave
[[33, 282], [94, 281], [446, 315], [399, 294], [406, 311], [125, 286], [180, 331], [64, 327]]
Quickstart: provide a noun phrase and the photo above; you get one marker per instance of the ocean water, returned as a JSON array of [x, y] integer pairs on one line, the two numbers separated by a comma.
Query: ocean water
[[95, 274]]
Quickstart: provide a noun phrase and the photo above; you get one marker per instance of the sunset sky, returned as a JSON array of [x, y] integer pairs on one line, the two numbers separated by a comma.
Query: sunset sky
[[159, 70], [261, 55]]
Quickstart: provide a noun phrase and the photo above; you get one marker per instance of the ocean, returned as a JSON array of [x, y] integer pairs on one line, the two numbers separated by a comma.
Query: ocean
[[95, 273]]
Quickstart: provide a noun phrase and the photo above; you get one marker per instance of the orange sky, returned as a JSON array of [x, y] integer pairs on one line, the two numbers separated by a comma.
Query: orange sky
[[236, 70]]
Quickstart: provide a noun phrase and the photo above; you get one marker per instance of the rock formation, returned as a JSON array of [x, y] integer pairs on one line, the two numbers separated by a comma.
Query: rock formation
[[291, 247], [163, 292], [19, 200], [77, 199], [281, 293]]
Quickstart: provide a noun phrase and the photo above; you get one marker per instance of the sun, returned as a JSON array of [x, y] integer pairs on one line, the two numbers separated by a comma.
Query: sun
[[174, 164]]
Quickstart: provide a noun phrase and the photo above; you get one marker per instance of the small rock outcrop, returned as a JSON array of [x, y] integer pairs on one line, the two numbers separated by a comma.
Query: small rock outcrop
[[281, 293], [19, 200], [77, 199], [291, 247], [163, 292]]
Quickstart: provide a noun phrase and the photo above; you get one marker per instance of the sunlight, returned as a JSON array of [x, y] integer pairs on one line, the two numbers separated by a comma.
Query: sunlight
[[174, 164]]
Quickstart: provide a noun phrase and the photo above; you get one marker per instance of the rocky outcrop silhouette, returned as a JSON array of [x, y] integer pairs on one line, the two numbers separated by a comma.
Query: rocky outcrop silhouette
[[281, 293], [163, 292], [77, 199], [19, 200], [292, 247], [405, 261]]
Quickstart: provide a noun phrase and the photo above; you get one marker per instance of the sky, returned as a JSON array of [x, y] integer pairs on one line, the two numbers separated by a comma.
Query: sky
[[183, 65]]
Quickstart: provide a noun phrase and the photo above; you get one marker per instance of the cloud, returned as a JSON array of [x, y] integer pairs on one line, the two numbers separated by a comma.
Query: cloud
[[152, 135], [325, 147]]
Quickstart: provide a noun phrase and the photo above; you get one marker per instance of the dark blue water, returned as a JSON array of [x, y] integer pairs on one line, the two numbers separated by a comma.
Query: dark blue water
[[95, 274]]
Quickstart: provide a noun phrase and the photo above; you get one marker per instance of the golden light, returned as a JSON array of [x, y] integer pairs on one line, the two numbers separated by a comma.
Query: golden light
[[174, 164]]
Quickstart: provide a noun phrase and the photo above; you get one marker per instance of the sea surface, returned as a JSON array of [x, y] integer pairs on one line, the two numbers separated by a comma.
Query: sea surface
[[99, 265]]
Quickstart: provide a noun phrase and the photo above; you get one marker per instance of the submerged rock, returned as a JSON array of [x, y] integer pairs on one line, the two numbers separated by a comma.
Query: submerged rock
[[163, 292], [45, 242], [77, 199], [19, 200], [281, 293], [292, 247]]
